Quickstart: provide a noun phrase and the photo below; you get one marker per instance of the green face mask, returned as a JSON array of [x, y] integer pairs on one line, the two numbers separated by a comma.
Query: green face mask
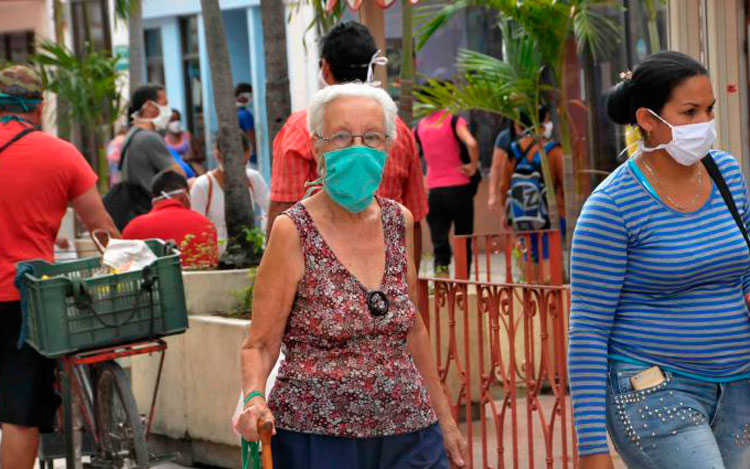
[[353, 175]]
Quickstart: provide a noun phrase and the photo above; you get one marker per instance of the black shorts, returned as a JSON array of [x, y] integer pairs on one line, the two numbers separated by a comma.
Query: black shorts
[[27, 395]]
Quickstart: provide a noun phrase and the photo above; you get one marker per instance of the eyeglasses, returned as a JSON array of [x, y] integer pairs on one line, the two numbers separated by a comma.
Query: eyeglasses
[[343, 139]]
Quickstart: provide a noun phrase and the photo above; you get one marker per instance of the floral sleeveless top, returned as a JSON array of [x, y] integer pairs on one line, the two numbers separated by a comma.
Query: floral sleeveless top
[[346, 372]]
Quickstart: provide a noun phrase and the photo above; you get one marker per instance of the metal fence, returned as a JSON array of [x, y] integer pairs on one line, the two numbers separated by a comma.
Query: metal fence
[[533, 257], [501, 355]]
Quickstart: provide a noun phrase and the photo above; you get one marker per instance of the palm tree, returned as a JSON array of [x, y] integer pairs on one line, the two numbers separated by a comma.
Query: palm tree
[[507, 87], [88, 88], [130, 11], [63, 130], [551, 24], [323, 20], [238, 209], [406, 81], [278, 101]]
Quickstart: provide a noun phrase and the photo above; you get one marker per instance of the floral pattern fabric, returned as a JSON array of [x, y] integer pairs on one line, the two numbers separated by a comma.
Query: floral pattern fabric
[[346, 372]]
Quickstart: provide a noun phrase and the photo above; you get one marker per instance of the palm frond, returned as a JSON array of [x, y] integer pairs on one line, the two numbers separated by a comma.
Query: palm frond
[[123, 8], [89, 84], [595, 32], [505, 86]]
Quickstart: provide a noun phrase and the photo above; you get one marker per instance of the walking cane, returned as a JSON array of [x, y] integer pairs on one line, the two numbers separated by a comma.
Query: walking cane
[[251, 458], [264, 430]]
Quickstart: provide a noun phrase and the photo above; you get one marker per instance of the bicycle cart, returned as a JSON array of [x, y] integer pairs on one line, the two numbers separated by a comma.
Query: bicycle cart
[[86, 318]]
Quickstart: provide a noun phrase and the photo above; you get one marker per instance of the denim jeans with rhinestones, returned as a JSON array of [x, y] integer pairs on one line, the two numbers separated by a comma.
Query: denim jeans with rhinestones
[[682, 423]]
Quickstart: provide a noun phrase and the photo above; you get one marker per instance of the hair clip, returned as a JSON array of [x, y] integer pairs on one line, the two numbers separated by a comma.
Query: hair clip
[[626, 75]]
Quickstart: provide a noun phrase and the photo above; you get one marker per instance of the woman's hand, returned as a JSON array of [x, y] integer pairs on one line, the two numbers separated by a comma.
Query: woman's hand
[[469, 169], [455, 444], [596, 461], [493, 203], [256, 411]]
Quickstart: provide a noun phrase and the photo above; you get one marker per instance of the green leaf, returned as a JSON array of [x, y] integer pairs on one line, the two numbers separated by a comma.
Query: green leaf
[[89, 84], [595, 32]]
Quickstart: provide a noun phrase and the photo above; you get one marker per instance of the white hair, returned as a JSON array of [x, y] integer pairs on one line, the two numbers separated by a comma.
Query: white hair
[[317, 108]]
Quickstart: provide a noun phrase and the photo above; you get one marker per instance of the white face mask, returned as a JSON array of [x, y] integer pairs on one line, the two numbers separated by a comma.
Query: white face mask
[[322, 83], [690, 143], [175, 127], [247, 100], [547, 129], [162, 120]]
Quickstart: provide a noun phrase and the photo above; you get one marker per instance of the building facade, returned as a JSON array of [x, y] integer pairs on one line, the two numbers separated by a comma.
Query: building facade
[[176, 56]]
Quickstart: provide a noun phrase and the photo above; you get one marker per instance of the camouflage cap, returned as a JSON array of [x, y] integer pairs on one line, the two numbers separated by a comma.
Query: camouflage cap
[[20, 81]]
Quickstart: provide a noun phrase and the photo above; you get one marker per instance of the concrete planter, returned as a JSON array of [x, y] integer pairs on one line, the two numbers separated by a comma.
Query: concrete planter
[[200, 386], [214, 291]]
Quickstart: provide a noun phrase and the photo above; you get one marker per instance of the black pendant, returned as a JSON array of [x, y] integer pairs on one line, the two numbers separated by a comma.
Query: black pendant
[[377, 303]]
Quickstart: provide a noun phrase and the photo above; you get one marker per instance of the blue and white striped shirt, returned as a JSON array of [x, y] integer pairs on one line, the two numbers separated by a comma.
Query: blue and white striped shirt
[[656, 286]]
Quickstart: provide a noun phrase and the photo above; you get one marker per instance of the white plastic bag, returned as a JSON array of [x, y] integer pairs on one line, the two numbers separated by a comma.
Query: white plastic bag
[[126, 255]]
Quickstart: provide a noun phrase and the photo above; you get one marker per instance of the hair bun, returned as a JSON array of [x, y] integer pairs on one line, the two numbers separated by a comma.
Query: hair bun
[[619, 103]]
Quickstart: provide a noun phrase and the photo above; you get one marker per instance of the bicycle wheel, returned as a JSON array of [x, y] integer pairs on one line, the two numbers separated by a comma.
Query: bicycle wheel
[[120, 429]]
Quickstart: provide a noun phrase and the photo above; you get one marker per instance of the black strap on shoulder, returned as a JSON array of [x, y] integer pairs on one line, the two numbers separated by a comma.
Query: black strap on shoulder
[[420, 149], [713, 171], [518, 153], [124, 149], [417, 139], [17, 137], [464, 154]]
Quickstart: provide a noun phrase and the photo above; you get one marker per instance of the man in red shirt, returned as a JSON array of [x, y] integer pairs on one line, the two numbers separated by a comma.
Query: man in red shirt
[[170, 218], [346, 55], [39, 175]]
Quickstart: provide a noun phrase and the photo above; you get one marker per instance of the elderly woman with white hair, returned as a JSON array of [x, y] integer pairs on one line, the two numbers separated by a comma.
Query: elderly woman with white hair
[[358, 387]]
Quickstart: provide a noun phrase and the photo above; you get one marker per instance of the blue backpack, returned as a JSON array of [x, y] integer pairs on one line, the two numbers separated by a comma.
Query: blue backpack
[[527, 203]]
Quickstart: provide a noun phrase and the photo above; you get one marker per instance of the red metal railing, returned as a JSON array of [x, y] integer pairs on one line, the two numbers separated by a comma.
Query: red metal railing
[[522, 254], [500, 350]]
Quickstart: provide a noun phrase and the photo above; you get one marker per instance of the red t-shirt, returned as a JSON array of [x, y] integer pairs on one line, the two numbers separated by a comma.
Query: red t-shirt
[[194, 234], [39, 175], [294, 165]]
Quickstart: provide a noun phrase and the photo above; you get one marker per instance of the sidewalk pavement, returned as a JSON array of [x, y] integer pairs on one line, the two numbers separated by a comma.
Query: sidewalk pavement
[[523, 462]]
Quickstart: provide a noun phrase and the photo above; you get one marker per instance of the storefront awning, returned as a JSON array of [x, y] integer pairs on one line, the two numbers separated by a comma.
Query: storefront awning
[[355, 4]]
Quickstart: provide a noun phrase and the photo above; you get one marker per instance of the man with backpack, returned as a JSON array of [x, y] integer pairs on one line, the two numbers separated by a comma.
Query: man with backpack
[[144, 155], [452, 157], [523, 190], [39, 176]]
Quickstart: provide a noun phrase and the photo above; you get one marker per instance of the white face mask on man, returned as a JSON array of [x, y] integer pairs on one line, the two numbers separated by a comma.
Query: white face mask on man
[[690, 142], [161, 121]]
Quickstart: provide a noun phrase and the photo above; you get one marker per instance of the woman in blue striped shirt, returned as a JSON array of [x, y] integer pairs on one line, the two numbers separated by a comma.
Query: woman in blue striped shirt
[[659, 331]]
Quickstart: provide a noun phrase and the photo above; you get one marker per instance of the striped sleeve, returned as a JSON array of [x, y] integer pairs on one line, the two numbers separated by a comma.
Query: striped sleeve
[[598, 264], [745, 212]]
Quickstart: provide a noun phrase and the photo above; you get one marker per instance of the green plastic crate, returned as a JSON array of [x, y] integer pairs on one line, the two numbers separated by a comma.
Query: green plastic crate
[[74, 309]]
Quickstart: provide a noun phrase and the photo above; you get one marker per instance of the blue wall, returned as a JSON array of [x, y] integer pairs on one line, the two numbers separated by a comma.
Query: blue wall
[[235, 24], [244, 32]]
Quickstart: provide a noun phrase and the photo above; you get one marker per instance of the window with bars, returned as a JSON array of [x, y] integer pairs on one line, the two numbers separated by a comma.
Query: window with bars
[[16, 47]]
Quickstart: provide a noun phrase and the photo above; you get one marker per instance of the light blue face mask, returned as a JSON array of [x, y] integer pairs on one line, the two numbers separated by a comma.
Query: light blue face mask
[[353, 175]]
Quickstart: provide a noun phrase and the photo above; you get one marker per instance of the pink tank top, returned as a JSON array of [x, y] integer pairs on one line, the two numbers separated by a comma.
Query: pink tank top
[[346, 372]]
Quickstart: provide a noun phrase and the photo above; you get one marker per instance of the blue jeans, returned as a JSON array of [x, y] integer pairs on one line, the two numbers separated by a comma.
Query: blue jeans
[[682, 423]]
